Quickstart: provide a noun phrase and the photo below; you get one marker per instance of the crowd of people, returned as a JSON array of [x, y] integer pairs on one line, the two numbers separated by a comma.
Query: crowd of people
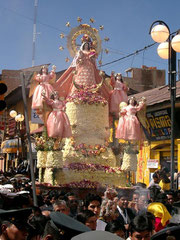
[[141, 213]]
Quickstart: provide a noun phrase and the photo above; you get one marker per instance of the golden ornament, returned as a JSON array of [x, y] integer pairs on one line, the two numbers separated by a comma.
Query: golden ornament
[[92, 20], [61, 48], [101, 27], [68, 24], [62, 35], [100, 62], [79, 19], [106, 51], [106, 39], [67, 59]]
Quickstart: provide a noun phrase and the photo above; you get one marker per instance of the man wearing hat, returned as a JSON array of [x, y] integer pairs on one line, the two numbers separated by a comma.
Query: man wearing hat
[[13, 224], [63, 227]]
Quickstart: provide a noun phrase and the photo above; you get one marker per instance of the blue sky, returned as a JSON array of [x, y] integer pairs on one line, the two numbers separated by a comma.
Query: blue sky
[[126, 23]]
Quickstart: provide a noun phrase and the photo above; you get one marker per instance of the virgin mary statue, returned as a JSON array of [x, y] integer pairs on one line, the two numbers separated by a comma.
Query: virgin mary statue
[[83, 71]]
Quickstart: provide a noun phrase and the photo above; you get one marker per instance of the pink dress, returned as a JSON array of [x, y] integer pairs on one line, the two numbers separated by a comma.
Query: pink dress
[[85, 67], [129, 126], [44, 86], [118, 95], [87, 75], [58, 124]]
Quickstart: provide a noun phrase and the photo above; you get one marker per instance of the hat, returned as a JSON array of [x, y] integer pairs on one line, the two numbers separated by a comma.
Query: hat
[[18, 217], [170, 231], [97, 235], [67, 226]]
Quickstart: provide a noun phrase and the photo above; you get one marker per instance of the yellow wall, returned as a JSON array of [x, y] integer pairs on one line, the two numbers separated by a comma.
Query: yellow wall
[[153, 151]]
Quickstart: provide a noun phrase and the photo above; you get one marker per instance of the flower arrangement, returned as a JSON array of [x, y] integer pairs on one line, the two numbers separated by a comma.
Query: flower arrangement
[[90, 150], [44, 143], [86, 95], [92, 167], [129, 158], [82, 184]]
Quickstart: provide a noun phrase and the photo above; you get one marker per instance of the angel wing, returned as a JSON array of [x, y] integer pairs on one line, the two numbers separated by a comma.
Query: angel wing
[[142, 116], [33, 84]]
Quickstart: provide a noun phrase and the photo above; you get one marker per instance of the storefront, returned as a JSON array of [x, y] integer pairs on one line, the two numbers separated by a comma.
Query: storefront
[[156, 152]]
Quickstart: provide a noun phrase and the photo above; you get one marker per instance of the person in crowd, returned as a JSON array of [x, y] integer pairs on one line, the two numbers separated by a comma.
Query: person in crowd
[[133, 203], [155, 180], [164, 179], [93, 203], [116, 227], [61, 206], [88, 218], [170, 200], [62, 227], [14, 224], [160, 211], [125, 214], [142, 204], [108, 204], [152, 219], [140, 228]]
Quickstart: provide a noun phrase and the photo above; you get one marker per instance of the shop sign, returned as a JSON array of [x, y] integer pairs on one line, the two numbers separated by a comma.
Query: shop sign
[[158, 125], [35, 117], [152, 163]]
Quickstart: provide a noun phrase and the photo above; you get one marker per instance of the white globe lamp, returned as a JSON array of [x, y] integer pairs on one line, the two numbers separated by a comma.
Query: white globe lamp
[[160, 33], [13, 113], [175, 43], [163, 50]]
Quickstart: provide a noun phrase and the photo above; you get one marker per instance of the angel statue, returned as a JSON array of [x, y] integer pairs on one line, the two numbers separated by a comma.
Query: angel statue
[[118, 94], [129, 127], [58, 125], [45, 80], [87, 74]]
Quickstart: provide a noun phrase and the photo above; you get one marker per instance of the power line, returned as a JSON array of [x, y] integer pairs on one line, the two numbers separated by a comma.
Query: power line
[[32, 19], [129, 55]]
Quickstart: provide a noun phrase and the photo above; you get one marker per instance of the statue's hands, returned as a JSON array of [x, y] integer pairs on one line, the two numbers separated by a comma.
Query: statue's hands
[[54, 68]]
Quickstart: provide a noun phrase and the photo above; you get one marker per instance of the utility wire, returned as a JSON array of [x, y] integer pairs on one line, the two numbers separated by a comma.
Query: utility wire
[[32, 20], [129, 55]]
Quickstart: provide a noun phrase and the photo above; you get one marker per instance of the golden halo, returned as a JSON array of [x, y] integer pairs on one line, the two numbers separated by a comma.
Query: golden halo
[[83, 29]]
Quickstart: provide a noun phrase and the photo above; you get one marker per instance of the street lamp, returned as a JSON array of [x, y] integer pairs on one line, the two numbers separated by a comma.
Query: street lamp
[[169, 45], [18, 118]]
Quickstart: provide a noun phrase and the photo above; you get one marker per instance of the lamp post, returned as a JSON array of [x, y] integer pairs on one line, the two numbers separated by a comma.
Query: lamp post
[[18, 118], [169, 45]]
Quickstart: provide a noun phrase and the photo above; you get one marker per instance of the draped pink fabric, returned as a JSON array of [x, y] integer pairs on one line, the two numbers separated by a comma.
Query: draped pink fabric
[[44, 86], [118, 95], [86, 74], [58, 124], [129, 126]]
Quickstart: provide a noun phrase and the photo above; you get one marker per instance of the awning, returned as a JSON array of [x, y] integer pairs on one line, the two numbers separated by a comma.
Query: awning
[[11, 146]]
